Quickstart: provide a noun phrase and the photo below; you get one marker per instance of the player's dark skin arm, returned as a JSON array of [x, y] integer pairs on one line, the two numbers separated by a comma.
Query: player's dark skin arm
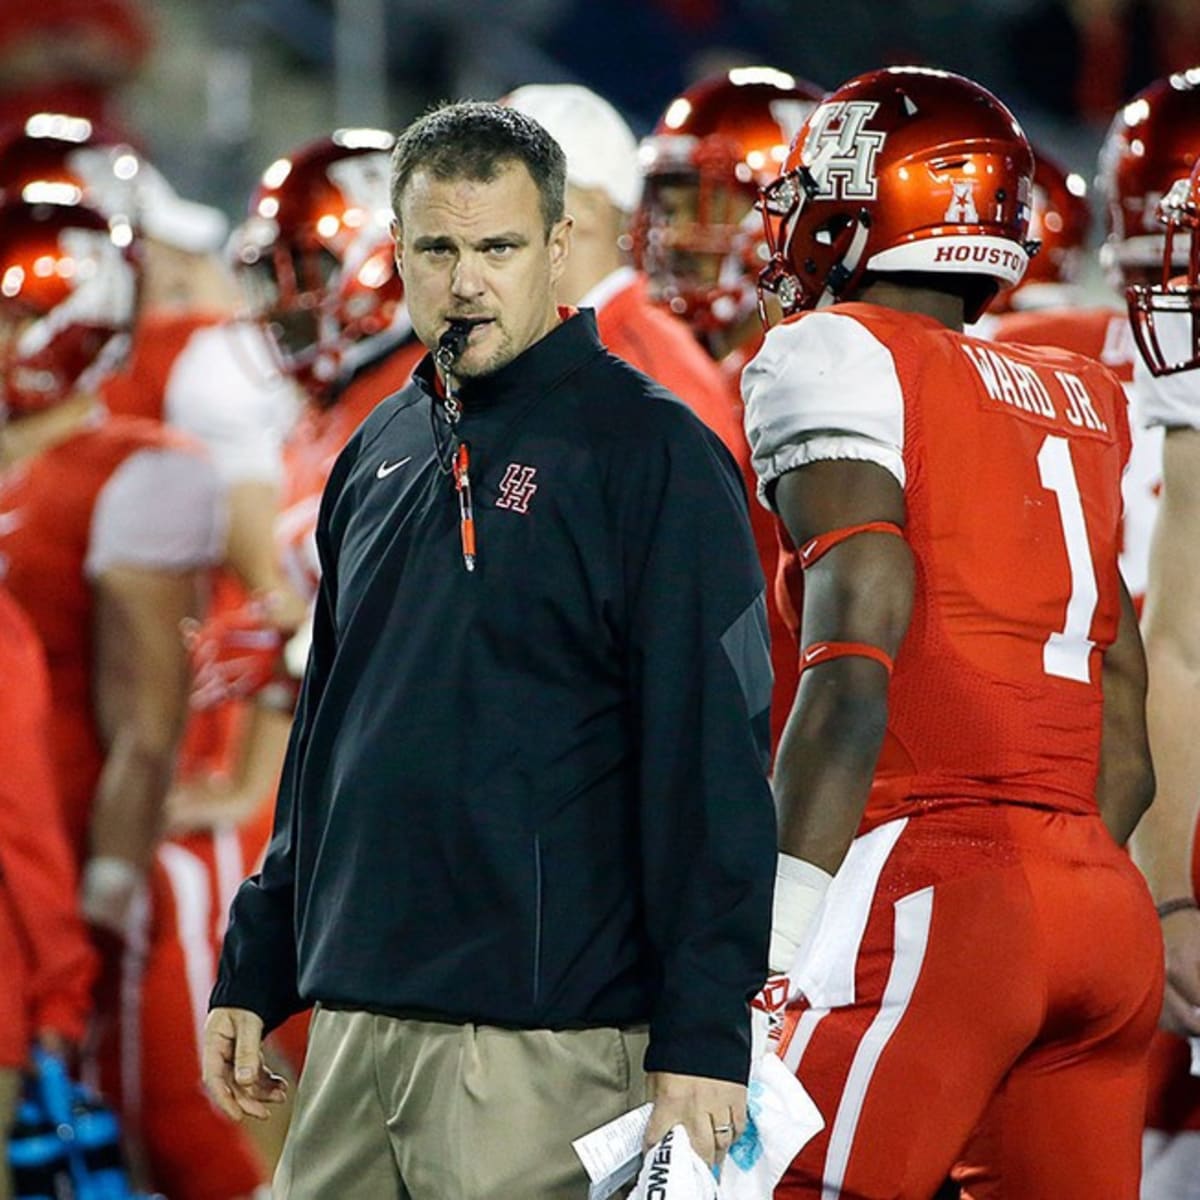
[[860, 591], [1125, 787]]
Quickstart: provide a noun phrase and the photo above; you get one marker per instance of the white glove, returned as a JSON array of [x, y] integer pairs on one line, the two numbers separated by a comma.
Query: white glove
[[106, 892]]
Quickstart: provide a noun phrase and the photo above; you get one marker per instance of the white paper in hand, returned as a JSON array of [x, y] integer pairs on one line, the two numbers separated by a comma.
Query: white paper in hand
[[612, 1153], [674, 1171], [782, 1119]]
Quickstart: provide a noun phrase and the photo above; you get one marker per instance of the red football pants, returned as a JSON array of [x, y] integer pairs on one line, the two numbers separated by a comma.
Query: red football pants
[[979, 996], [151, 1066]]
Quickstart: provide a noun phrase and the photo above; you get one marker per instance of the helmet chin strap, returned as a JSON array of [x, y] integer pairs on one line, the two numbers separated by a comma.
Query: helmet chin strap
[[846, 267]]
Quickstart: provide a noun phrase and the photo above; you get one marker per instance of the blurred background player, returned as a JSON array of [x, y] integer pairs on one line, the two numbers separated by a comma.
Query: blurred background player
[[110, 525], [1164, 315], [1060, 220], [918, 469], [700, 242], [1151, 142], [190, 364], [319, 288], [603, 187], [45, 988], [195, 369], [314, 262], [698, 235], [108, 521]]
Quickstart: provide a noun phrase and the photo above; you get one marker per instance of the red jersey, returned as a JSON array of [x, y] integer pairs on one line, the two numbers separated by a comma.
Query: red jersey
[[117, 491], [1104, 334], [662, 347], [138, 389], [1011, 462], [48, 964]]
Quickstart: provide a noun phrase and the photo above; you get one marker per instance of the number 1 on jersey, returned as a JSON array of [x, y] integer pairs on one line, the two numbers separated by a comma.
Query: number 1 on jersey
[[1067, 651]]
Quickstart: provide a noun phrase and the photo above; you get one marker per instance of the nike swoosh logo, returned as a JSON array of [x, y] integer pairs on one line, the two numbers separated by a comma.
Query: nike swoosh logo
[[813, 651], [386, 468]]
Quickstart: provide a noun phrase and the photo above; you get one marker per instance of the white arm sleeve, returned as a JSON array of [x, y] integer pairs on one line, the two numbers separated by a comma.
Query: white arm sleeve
[[225, 390], [823, 387], [160, 510], [1171, 400]]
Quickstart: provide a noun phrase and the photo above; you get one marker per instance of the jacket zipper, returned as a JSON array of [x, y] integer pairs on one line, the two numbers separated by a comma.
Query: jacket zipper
[[537, 915]]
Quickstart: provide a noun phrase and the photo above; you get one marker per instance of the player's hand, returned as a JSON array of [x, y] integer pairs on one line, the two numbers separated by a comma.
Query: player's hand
[[233, 655], [233, 1068], [713, 1111], [1181, 944]]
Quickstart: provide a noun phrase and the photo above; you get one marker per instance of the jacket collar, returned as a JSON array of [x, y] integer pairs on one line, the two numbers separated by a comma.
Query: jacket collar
[[536, 369]]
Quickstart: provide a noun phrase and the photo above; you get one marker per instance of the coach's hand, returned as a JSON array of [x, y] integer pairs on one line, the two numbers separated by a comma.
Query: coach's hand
[[713, 1111], [234, 1072]]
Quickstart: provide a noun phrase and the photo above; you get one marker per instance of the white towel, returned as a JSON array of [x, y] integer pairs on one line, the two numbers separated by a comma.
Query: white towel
[[782, 1119], [672, 1170]]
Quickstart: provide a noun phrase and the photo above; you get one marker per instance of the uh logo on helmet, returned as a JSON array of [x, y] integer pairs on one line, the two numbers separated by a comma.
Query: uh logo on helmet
[[906, 171]]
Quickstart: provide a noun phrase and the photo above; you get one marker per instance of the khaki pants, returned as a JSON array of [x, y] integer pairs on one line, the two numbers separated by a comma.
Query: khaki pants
[[390, 1109]]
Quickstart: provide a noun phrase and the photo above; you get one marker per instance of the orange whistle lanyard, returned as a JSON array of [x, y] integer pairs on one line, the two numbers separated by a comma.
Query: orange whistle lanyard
[[466, 510]]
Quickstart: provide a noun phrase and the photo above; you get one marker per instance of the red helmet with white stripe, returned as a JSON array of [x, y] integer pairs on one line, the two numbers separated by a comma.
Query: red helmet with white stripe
[[898, 172], [1060, 220], [315, 256], [695, 234], [1166, 315], [62, 159], [68, 289], [1151, 144]]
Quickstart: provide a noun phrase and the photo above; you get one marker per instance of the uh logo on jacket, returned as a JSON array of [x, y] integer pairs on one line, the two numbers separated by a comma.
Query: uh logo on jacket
[[517, 487]]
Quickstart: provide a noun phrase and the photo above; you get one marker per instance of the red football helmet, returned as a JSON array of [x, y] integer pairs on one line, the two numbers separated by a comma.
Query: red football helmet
[[1152, 142], [1176, 298], [315, 255], [68, 289], [696, 234], [1059, 221], [62, 159], [899, 171]]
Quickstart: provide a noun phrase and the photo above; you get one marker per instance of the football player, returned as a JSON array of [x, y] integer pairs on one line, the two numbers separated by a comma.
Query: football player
[[975, 991], [1151, 142], [700, 242], [1164, 316], [316, 264], [190, 364], [1060, 219], [45, 990], [108, 525]]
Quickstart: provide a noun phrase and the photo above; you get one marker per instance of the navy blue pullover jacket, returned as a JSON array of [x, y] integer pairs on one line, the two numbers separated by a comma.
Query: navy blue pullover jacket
[[532, 795]]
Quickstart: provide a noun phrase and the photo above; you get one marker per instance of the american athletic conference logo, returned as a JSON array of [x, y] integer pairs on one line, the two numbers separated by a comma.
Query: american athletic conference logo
[[517, 488], [840, 151]]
